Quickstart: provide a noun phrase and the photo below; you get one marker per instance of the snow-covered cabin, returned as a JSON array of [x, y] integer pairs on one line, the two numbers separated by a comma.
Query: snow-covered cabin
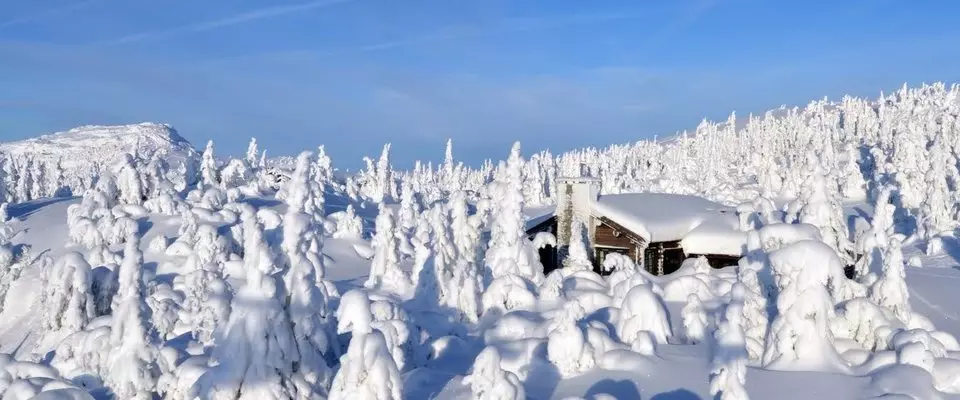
[[660, 230]]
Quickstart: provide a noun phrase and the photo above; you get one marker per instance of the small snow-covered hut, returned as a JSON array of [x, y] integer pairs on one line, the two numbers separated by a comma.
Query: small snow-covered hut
[[656, 229]]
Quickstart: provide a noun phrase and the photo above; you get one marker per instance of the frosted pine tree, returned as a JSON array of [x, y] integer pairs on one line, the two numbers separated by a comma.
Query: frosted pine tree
[[256, 349], [422, 272], [133, 373], [467, 282], [409, 211], [852, 182], [385, 272], [891, 290], [128, 181], [822, 209], [323, 167], [509, 251], [209, 175], [306, 302], [936, 208], [252, 153], [67, 298], [872, 243], [382, 187]]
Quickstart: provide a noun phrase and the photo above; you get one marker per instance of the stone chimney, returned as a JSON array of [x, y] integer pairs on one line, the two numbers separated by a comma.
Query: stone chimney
[[575, 195]]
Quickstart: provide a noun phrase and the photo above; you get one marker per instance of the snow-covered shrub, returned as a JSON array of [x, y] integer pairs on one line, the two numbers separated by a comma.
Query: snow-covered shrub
[[862, 319], [509, 292], [694, 319], [800, 337], [567, 347], [26, 380], [643, 316], [206, 302], [488, 380], [367, 369], [164, 305], [349, 225], [13, 260]]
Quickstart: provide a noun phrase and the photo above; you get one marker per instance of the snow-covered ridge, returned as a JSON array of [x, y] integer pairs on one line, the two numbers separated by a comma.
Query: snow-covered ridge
[[92, 147]]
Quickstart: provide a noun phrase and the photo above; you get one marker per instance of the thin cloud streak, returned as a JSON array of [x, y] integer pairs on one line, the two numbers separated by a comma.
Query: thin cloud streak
[[39, 16], [249, 16]]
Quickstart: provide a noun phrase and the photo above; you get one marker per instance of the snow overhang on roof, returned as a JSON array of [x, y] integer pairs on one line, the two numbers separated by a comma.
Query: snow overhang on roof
[[702, 226]]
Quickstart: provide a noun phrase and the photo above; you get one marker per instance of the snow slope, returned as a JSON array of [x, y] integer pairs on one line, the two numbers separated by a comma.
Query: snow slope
[[83, 149]]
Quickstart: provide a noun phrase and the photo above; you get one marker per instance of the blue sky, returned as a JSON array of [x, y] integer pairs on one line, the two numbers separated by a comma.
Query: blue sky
[[354, 74]]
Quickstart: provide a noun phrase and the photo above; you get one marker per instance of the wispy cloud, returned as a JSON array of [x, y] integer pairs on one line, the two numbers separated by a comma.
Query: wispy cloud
[[41, 15], [504, 26], [249, 16]]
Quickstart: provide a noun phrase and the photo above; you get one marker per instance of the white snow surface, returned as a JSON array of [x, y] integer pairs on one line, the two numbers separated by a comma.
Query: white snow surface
[[83, 148], [661, 217]]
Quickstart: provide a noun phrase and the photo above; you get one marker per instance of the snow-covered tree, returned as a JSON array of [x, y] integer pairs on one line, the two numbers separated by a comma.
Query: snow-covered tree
[[936, 208], [306, 301], [821, 208], [643, 321], [756, 296], [129, 182], [133, 373], [256, 349], [349, 225], [509, 251], [209, 175], [694, 319], [253, 153], [466, 285], [729, 371], [407, 219], [567, 346], [67, 299], [323, 167], [367, 370], [488, 379], [890, 290], [872, 243], [385, 272], [800, 336]]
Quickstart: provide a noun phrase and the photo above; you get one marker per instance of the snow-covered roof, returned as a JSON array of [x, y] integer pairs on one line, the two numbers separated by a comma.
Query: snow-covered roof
[[536, 215], [704, 227]]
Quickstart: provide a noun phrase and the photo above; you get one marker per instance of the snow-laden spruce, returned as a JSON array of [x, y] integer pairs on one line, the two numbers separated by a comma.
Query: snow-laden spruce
[[256, 351], [133, 373]]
